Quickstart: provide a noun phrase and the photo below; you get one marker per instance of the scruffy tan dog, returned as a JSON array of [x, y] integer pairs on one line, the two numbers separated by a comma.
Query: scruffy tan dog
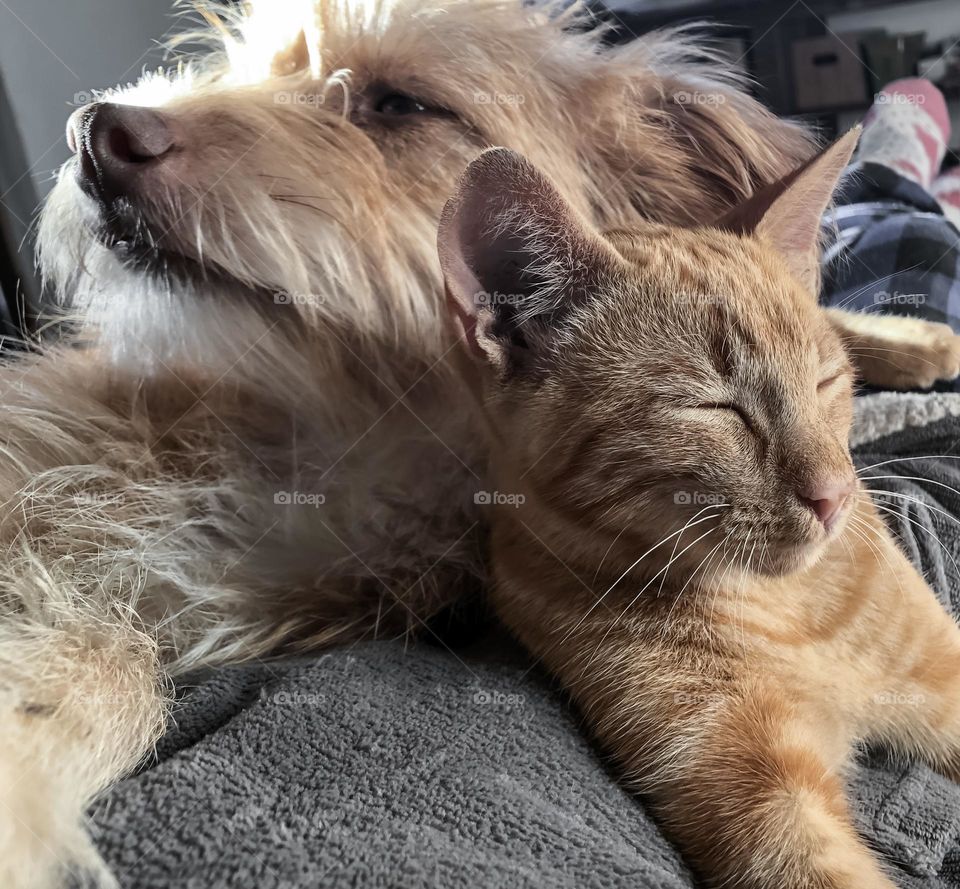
[[254, 441]]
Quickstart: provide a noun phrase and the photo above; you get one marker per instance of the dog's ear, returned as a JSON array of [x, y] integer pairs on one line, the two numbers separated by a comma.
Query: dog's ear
[[515, 258], [670, 132], [786, 214]]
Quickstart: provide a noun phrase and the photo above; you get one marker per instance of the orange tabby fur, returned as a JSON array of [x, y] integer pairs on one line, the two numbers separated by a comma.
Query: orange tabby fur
[[659, 398]]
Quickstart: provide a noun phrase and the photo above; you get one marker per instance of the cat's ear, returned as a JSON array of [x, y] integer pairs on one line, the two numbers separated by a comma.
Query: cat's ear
[[786, 214], [515, 257]]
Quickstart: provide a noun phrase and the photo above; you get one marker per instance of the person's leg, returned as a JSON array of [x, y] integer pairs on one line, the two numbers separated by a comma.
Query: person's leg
[[907, 129], [946, 189], [889, 248]]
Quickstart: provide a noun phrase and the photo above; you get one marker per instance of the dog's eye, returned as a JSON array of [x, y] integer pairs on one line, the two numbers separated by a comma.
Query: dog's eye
[[399, 105]]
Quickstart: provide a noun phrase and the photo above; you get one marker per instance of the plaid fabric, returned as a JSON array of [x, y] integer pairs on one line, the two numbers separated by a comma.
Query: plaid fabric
[[890, 249]]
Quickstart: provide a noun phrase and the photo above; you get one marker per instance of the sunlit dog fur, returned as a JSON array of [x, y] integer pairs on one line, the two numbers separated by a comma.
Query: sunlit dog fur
[[254, 442]]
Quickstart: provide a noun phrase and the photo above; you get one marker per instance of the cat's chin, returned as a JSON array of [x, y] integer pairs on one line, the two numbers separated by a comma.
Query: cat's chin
[[791, 560]]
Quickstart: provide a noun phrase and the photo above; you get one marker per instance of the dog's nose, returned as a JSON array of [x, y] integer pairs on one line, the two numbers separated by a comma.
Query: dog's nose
[[115, 145], [826, 498]]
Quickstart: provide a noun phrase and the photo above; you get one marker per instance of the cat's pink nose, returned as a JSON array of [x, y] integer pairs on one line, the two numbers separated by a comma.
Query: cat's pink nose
[[827, 498]]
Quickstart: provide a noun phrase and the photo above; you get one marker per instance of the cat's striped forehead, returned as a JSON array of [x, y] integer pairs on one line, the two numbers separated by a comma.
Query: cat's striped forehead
[[712, 288]]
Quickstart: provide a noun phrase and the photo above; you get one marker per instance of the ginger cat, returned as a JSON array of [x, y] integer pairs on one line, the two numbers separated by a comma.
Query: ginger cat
[[688, 548]]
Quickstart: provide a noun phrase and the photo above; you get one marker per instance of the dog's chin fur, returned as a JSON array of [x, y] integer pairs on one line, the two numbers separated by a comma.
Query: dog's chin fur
[[279, 330], [128, 235]]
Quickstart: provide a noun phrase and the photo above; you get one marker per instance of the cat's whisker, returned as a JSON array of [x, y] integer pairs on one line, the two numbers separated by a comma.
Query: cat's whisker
[[718, 586], [643, 589], [876, 545], [737, 560], [741, 594], [857, 532], [693, 574], [727, 569], [722, 564], [720, 569], [673, 554], [914, 478], [904, 459], [872, 353], [918, 501], [846, 544], [845, 302], [660, 543], [691, 523], [743, 640], [596, 573], [919, 526]]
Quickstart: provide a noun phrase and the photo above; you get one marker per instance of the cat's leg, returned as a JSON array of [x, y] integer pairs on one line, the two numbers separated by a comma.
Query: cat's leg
[[916, 707], [755, 798], [747, 783], [895, 352], [911, 670]]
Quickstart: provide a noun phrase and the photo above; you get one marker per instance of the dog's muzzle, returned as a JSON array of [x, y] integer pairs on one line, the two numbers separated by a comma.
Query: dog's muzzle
[[118, 148]]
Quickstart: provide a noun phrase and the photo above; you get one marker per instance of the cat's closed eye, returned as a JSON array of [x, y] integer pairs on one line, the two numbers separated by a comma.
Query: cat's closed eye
[[829, 381], [731, 408]]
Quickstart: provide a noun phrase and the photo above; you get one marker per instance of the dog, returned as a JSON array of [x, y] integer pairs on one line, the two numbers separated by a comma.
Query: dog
[[253, 440]]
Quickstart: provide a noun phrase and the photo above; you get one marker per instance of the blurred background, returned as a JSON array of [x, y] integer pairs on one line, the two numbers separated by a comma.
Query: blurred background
[[821, 60]]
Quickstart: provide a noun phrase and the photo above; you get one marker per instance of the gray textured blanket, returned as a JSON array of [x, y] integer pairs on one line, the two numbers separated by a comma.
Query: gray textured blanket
[[379, 766]]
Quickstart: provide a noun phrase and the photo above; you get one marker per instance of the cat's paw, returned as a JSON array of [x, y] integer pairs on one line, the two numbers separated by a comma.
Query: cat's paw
[[893, 352], [930, 358]]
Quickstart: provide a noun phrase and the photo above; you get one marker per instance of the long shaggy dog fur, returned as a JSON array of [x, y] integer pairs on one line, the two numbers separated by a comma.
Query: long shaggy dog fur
[[252, 440]]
